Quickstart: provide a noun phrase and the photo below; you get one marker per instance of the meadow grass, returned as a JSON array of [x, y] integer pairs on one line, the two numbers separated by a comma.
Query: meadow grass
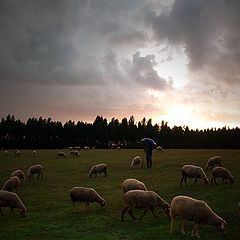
[[51, 215]]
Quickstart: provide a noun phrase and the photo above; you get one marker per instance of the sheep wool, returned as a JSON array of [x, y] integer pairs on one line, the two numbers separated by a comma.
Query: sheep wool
[[133, 184], [212, 161], [19, 173], [11, 184], [190, 209], [11, 200], [221, 172], [87, 195], [147, 200]]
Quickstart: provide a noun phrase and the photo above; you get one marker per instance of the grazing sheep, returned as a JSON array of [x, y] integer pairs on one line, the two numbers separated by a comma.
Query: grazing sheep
[[220, 172], [99, 168], [87, 195], [35, 169], [190, 209], [17, 153], [34, 153], [132, 184], [61, 155], [18, 173], [160, 149], [143, 200], [136, 162], [75, 153], [11, 183], [191, 171], [11, 200], [216, 160]]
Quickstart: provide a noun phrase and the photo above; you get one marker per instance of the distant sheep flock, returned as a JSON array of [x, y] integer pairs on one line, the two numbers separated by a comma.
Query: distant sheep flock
[[135, 193]]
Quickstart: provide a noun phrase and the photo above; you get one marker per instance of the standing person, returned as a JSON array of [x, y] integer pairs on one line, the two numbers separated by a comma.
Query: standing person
[[148, 147]]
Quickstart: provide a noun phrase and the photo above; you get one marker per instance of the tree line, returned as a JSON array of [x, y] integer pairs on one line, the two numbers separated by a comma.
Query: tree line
[[127, 133]]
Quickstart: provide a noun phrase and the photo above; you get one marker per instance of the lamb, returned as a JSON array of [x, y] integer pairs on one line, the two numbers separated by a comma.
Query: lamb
[[87, 195], [191, 171], [35, 169], [143, 200], [136, 162], [61, 155], [74, 153], [34, 153], [221, 172], [11, 200], [190, 209], [99, 168], [216, 160], [11, 183], [132, 184], [18, 173]]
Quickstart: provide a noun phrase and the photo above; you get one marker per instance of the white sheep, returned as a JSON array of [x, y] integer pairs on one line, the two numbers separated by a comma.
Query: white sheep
[[17, 153], [147, 200], [136, 162], [133, 184], [212, 161], [99, 168], [11, 184], [75, 153], [35, 169], [192, 171], [61, 155], [11, 200], [221, 172], [159, 148], [87, 195], [190, 209], [34, 153], [19, 173]]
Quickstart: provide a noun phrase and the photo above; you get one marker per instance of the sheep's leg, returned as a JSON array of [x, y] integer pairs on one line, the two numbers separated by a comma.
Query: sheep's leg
[[212, 181], [215, 181], [195, 231], [38, 175], [123, 212], [181, 180], [182, 227], [105, 173], [171, 229], [41, 175], [152, 210], [1, 211], [195, 181], [185, 180], [131, 214], [143, 214]]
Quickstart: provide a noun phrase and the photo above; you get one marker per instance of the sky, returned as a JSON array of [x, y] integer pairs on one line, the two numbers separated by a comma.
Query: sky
[[173, 61]]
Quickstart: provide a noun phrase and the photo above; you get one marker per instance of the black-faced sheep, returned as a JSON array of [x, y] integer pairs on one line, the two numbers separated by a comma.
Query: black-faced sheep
[[147, 200], [35, 169], [215, 160], [191, 171], [11, 200], [87, 195], [18, 173], [99, 168], [132, 184], [11, 184], [61, 155], [220, 172], [190, 209], [136, 162]]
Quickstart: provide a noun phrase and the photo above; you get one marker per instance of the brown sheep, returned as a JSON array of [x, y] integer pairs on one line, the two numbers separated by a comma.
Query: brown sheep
[[18, 173], [11, 183], [133, 184], [215, 160], [147, 200], [99, 168], [136, 162], [220, 172], [35, 169]]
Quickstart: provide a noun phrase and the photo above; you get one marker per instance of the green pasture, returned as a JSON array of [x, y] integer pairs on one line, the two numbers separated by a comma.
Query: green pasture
[[50, 213]]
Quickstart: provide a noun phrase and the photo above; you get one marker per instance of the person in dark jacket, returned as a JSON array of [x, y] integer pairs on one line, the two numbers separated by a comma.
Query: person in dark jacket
[[149, 144]]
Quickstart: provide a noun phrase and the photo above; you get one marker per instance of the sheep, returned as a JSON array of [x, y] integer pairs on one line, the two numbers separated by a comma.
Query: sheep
[[190, 209], [87, 195], [17, 153], [35, 169], [216, 160], [34, 153], [136, 161], [61, 155], [86, 148], [143, 200], [11, 183], [191, 171], [132, 184], [11, 200], [74, 153], [118, 148], [99, 168], [159, 148], [221, 172], [5, 153], [18, 173]]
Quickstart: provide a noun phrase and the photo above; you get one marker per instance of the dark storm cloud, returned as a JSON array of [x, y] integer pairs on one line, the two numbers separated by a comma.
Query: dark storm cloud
[[208, 31]]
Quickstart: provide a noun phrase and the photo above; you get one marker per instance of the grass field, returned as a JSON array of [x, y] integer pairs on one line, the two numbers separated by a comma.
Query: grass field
[[51, 215]]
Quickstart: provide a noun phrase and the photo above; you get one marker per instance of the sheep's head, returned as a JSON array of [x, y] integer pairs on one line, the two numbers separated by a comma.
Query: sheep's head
[[29, 176], [23, 212], [206, 181], [222, 226], [231, 179], [166, 209], [102, 203]]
